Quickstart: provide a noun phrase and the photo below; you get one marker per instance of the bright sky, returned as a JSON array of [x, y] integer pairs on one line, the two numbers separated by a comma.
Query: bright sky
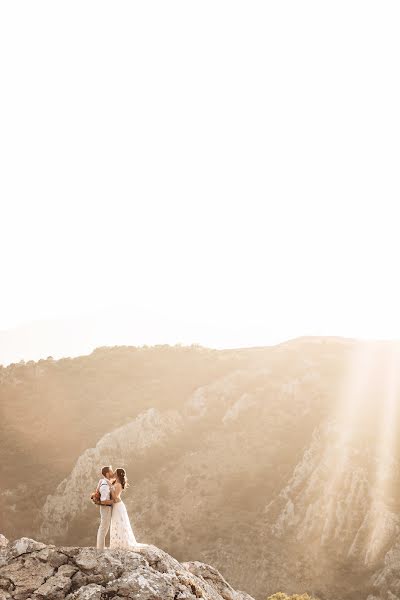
[[233, 166]]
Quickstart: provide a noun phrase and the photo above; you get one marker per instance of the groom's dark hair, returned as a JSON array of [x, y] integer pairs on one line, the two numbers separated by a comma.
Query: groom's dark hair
[[105, 470]]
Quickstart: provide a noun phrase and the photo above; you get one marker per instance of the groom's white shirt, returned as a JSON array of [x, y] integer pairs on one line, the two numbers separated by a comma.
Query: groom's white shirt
[[104, 490]]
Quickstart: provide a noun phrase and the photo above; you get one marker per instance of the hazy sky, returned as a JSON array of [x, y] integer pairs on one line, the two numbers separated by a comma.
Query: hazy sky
[[232, 166]]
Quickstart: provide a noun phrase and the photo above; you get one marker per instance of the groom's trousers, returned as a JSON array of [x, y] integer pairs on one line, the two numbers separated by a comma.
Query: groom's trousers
[[105, 521]]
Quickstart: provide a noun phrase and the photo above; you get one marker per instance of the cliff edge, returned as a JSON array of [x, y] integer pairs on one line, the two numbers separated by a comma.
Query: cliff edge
[[30, 570]]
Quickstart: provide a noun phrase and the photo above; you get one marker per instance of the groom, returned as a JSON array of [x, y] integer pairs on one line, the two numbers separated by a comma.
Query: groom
[[105, 506]]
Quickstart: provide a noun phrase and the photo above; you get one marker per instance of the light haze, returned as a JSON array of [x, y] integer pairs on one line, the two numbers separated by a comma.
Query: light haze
[[223, 173]]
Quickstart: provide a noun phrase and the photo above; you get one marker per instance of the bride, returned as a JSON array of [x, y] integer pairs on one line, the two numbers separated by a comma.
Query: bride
[[121, 534]]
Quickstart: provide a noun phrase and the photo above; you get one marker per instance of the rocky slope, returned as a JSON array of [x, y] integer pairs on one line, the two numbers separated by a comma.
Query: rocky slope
[[35, 571], [385, 583]]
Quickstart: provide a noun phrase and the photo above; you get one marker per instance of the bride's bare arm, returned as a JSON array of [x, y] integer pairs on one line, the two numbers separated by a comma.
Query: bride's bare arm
[[116, 492]]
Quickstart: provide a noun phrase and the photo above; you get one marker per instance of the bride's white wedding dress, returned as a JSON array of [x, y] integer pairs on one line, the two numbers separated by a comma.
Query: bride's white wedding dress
[[121, 534]]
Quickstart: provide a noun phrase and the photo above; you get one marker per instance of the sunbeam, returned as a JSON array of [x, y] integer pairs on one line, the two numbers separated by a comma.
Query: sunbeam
[[346, 418], [385, 461], [365, 426]]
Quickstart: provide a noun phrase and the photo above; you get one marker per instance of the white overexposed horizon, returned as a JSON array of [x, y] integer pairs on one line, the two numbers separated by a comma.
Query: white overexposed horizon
[[227, 172], [80, 335]]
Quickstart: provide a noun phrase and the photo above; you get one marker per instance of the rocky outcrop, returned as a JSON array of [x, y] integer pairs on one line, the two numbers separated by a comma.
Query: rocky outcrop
[[385, 583], [30, 570], [332, 500], [334, 510]]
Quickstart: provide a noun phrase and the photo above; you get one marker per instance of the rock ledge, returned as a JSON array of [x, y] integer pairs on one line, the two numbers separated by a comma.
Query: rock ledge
[[30, 570]]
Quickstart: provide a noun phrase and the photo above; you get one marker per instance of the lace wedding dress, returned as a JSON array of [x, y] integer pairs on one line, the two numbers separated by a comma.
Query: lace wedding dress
[[121, 534]]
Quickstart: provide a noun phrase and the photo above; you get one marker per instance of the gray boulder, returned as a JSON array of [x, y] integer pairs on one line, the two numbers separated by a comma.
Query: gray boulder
[[30, 570]]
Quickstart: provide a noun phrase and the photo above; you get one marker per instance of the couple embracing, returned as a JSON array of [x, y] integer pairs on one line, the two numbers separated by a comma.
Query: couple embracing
[[113, 513]]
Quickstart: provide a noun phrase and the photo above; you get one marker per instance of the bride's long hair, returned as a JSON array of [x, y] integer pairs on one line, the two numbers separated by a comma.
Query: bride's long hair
[[121, 474]]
